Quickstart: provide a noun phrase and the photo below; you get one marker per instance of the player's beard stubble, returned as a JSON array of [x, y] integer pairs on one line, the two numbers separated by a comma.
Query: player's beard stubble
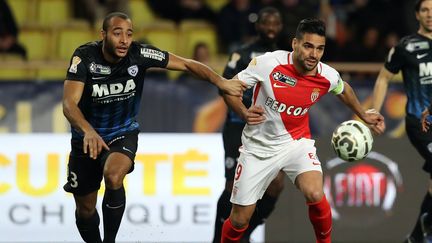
[[268, 38], [110, 49], [307, 63]]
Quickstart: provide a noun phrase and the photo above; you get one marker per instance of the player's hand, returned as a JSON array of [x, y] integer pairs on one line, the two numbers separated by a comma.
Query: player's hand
[[424, 122], [233, 87], [255, 115], [375, 121], [94, 144]]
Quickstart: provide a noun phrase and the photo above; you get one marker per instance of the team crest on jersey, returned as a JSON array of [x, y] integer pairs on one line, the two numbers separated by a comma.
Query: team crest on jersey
[[278, 76], [133, 70], [74, 65], [100, 69], [315, 94]]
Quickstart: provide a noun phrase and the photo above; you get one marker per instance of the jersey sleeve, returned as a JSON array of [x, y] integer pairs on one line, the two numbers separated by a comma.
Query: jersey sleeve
[[255, 71], [153, 57], [77, 68], [395, 59], [338, 86]]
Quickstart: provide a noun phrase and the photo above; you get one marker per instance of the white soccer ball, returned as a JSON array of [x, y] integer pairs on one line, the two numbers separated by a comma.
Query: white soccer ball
[[352, 140]]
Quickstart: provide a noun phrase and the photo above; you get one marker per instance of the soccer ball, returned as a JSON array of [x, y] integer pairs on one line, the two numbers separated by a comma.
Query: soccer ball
[[352, 140]]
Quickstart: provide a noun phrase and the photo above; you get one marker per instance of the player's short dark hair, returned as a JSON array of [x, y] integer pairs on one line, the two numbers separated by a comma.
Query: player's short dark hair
[[312, 26], [106, 21], [417, 5], [267, 10]]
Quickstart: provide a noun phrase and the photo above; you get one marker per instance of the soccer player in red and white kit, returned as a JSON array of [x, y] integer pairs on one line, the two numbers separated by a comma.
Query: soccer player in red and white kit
[[277, 135]]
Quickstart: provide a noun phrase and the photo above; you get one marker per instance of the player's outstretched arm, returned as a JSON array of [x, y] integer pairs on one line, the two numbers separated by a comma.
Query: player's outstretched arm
[[380, 88], [72, 92], [231, 87], [371, 117]]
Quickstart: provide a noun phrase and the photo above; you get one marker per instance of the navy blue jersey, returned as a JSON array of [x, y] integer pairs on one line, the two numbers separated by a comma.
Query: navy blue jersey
[[238, 61], [413, 56], [112, 92]]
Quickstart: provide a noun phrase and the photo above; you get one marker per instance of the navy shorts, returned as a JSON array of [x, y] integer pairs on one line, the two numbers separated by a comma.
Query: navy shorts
[[422, 141], [231, 136], [85, 174]]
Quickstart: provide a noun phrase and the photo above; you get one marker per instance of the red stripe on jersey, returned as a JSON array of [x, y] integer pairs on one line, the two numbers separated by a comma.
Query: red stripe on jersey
[[294, 95], [255, 95]]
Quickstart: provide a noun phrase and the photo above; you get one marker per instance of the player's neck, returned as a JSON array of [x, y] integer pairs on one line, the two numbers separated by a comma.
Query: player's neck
[[425, 33], [108, 57]]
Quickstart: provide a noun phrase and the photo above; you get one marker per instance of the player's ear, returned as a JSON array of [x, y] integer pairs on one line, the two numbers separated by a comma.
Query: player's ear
[[102, 34], [294, 43], [417, 16]]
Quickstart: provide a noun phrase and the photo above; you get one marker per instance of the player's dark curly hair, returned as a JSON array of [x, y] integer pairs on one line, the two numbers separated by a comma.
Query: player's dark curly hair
[[417, 5], [106, 21], [267, 10], [312, 26]]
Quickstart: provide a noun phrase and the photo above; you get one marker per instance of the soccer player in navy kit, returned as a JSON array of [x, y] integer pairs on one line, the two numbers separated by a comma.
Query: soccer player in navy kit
[[413, 57], [268, 26], [102, 94]]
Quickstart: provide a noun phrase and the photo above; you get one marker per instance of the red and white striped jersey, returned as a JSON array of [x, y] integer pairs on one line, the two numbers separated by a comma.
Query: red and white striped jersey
[[286, 97]]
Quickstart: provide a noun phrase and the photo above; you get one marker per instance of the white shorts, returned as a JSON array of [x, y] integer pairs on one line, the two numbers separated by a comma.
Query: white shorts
[[253, 174]]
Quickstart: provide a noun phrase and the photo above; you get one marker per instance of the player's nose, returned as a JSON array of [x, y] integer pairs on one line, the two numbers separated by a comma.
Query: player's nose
[[314, 53], [124, 39]]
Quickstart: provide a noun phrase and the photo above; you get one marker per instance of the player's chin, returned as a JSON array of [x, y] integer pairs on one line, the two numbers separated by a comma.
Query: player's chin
[[121, 52], [310, 66]]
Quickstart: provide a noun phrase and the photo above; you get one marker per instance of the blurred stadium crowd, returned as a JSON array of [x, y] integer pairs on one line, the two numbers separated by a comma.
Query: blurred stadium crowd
[[358, 30], [38, 37]]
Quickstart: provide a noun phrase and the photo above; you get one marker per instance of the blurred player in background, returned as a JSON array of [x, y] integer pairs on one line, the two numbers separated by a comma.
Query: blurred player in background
[[277, 134], [413, 57], [268, 26], [9, 32], [101, 99]]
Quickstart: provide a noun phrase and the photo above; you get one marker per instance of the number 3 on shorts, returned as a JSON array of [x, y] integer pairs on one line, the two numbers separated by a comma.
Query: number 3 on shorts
[[238, 171], [73, 179]]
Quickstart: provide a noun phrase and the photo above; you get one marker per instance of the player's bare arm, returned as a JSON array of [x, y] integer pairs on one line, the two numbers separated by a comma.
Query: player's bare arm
[[252, 116], [92, 142], [373, 118], [231, 87], [380, 88]]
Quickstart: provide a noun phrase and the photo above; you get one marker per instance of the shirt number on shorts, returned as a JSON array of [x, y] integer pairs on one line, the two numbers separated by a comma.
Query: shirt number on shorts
[[73, 180], [238, 171]]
